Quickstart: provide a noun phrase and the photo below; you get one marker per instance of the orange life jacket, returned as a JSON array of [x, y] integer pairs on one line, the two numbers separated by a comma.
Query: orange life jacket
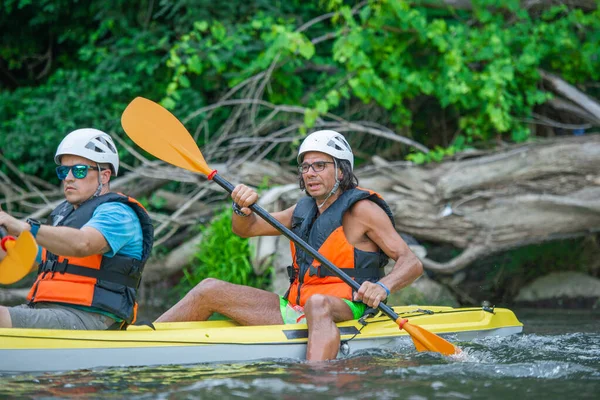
[[325, 233], [106, 283]]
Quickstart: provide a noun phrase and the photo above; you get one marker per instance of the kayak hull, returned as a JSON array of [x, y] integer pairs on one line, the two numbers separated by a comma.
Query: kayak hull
[[36, 350]]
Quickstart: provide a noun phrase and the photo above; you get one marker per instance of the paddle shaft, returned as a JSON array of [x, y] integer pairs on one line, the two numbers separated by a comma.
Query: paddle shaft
[[303, 245]]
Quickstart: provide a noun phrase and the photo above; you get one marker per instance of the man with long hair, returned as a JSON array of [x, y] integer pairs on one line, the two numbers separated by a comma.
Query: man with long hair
[[350, 226]]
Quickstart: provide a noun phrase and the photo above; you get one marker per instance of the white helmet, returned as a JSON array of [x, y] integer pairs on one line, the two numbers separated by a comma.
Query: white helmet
[[328, 142], [92, 144]]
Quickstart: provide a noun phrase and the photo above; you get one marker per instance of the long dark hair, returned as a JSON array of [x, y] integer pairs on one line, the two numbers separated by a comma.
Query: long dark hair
[[349, 180]]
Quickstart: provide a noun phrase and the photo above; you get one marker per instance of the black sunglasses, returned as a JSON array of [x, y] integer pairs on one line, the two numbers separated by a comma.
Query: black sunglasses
[[80, 171]]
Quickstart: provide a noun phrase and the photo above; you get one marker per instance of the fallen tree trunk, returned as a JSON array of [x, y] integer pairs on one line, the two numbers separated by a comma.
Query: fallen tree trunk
[[481, 202], [159, 268], [581, 104], [170, 201], [529, 194]]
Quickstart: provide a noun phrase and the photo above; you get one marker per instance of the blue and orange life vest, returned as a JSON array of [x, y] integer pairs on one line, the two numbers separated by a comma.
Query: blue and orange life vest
[[325, 233], [109, 284]]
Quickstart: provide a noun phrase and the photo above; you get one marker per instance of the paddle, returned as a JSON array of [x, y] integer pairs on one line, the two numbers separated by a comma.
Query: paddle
[[161, 134], [20, 255]]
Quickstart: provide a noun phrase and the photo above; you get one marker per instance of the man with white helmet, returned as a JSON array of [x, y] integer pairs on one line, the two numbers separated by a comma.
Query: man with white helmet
[[350, 226], [93, 247]]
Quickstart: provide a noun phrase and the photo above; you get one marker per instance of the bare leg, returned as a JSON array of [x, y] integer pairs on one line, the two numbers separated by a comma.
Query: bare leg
[[245, 305], [5, 321], [323, 335]]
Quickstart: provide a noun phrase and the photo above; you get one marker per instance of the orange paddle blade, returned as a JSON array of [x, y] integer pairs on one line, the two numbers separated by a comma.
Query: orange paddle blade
[[429, 341], [20, 256], [160, 133]]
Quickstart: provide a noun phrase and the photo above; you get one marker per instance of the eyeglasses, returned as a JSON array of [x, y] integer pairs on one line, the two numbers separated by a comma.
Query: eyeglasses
[[317, 166], [80, 171]]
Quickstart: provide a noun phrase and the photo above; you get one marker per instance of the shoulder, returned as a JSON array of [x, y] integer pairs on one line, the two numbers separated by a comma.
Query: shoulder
[[115, 210], [365, 206], [367, 210]]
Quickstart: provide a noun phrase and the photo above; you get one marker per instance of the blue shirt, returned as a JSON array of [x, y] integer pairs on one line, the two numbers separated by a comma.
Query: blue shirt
[[121, 228]]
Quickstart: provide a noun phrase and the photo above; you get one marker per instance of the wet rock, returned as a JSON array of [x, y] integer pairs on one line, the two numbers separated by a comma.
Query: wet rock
[[561, 290], [424, 291]]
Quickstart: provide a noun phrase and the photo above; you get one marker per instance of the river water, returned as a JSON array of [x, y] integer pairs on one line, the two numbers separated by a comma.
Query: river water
[[557, 357]]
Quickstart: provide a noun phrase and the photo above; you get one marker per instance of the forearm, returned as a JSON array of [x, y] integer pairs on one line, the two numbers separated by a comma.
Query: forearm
[[406, 270], [65, 241], [243, 226], [253, 225]]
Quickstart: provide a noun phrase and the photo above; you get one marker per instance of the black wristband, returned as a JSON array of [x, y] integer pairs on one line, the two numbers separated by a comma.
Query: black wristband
[[236, 209]]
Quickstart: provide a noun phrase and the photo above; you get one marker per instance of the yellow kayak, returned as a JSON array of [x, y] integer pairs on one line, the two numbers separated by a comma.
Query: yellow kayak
[[29, 350]]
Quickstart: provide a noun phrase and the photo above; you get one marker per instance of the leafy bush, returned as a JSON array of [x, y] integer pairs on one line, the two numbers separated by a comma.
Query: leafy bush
[[485, 71], [222, 255], [440, 76], [433, 74]]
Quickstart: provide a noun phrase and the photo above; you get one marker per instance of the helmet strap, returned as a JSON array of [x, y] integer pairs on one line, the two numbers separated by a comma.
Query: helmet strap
[[335, 187], [99, 189]]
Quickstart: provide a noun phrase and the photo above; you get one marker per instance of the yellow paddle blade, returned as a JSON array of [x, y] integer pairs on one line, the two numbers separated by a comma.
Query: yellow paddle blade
[[20, 256], [156, 130], [429, 341]]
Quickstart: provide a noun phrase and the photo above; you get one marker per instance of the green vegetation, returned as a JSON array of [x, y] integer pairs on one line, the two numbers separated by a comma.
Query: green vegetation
[[446, 79], [222, 255], [409, 65], [442, 77]]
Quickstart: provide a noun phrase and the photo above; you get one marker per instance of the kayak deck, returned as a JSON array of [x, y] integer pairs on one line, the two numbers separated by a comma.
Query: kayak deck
[[27, 350]]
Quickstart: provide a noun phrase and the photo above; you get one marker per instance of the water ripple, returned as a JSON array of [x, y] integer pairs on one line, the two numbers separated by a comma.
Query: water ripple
[[527, 366]]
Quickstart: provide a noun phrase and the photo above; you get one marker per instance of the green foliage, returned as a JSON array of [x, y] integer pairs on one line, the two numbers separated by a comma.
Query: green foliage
[[222, 255], [438, 153], [530, 262], [98, 73], [401, 64], [213, 56], [480, 66], [486, 71], [36, 119], [435, 155], [33, 31]]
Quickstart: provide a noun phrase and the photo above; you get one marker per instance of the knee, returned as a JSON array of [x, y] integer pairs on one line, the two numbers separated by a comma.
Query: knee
[[317, 305], [207, 287]]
